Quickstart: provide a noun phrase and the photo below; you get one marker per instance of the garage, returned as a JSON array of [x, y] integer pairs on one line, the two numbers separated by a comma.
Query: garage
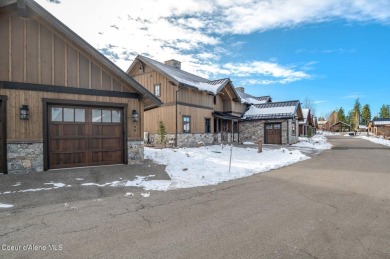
[[273, 133], [84, 136]]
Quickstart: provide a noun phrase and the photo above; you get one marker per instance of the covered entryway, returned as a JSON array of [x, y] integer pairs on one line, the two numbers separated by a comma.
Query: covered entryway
[[84, 136], [273, 133]]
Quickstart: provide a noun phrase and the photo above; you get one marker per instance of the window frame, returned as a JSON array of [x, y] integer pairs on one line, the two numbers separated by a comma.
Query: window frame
[[205, 125], [157, 92], [184, 123]]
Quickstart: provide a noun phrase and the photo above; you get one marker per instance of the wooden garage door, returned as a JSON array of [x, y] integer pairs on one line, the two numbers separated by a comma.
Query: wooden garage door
[[273, 133], [84, 136]]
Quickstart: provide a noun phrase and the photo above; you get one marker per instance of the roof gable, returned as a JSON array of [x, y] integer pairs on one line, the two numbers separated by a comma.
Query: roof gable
[[250, 99], [31, 8], [183, 78]]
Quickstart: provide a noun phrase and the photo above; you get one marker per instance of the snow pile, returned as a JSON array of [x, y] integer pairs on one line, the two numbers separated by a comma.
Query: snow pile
[[327, 133], [209, 165], [316, 142], [376, 140]]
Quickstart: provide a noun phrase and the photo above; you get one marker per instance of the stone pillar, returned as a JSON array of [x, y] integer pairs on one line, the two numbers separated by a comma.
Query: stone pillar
[[25, 158], [135, 151]]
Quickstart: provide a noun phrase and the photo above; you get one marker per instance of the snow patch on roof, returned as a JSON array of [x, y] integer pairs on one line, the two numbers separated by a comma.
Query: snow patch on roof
[[254, 111], [186, 78]]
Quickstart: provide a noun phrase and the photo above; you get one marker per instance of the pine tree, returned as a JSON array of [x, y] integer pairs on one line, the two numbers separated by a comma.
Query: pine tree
[[356, 113], [366, 114], [161, 131], [341, 115], [384, 111]]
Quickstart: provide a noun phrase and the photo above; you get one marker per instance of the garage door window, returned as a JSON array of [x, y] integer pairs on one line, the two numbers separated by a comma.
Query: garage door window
[[106, 116], [79, 115], [67, 114]]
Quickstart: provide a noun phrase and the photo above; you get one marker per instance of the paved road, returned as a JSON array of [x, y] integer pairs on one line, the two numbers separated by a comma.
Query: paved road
[[335, 205]]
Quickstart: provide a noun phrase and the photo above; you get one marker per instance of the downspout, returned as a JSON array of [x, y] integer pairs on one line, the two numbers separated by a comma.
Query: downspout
[[179, 88]]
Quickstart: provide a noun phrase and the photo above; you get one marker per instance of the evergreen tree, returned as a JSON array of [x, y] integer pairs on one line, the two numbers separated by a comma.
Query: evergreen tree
[[341, 115], [384, 111], [366, 114], [161, 131], [356, 113]]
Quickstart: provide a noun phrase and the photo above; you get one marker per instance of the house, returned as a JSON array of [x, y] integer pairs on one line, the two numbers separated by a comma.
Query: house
[[340, 127], [195, 110], [321, 124], [62, 103], [380, 127], [308, 124], [271, 122]]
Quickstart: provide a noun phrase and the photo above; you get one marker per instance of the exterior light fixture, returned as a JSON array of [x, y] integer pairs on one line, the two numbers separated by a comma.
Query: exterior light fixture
[[134, 115], [24, 112]]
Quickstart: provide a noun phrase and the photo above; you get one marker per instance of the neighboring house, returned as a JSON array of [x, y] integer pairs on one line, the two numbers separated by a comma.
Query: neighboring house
[[340, 127], [308, 123], [380, 127], [195, 110], [62, 103], [272, 123], [321, 125]]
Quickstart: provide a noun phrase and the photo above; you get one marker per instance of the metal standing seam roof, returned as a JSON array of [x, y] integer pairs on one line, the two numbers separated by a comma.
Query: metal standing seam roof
[[67, 32], [381, 121], [272, 110]]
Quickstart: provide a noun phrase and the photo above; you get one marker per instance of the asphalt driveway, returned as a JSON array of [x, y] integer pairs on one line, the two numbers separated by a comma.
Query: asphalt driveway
[[335, 205]]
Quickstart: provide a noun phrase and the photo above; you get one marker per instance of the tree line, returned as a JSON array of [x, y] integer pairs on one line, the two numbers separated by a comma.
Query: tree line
[[360, 115]]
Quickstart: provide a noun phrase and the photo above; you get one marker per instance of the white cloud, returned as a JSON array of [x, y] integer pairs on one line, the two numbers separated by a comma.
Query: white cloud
[[315, 102], [352, 96], [192, 30]]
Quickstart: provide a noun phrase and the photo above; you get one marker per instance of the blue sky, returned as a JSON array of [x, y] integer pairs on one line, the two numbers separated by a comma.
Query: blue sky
[[330, 52]]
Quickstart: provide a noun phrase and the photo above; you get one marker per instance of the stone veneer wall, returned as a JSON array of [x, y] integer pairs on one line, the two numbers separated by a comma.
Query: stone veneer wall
[[28, 157], [135, 151], [25, 158], [293, 138], [184, 139], [252, 131]]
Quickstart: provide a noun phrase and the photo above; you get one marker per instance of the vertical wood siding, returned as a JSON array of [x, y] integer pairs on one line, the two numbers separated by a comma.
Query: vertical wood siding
[[32, 52]]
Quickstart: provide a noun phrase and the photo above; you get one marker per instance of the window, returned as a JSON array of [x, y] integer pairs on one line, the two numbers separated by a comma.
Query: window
[[276, 126], [80, 115], [293, 128], [157, 90], [207, 128], [186, 124], [67, 114], [215, 99], [56, 114], [106, 116]]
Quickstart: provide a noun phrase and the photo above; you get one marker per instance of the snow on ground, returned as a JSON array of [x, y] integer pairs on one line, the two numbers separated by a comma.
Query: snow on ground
[[209, 165], [316, 142], [373, 139], [5, 206], [327, 133]]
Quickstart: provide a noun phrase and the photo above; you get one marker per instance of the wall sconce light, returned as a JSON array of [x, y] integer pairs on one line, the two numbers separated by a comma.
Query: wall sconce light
[[134, 115], [24, 112]]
